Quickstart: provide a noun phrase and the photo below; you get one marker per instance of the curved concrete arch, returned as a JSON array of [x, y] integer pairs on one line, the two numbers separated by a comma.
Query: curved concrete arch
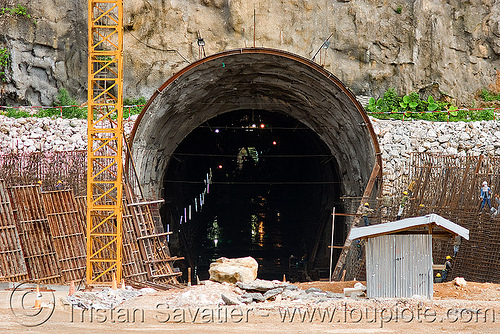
[[260, 79]]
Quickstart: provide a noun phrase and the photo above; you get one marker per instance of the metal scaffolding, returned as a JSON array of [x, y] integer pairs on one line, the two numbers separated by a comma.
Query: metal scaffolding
[[105, 140]]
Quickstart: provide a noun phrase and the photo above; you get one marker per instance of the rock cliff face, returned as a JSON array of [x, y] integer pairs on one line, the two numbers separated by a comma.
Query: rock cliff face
[[423, 45], [47, 51]]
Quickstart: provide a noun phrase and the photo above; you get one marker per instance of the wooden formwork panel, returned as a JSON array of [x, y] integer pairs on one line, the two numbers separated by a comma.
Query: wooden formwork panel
[[34, 231], [12, 264], [67, 230]]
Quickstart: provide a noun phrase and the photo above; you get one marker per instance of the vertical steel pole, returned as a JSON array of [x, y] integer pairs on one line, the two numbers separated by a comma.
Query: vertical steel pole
[[331, 246]]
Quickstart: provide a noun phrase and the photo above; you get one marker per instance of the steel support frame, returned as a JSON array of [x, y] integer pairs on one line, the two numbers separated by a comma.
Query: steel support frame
[[105, 141]]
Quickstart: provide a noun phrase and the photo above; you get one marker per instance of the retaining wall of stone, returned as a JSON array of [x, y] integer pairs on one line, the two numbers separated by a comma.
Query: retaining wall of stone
[[397, 139]]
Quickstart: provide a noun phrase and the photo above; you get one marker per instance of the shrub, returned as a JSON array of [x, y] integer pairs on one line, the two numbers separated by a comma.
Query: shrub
[[411, 106], [486, 95], [135, 106], [4, 62], [71, 111]]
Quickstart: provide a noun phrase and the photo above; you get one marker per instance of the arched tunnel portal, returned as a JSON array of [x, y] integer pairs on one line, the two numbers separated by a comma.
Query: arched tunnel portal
[[281, 141]]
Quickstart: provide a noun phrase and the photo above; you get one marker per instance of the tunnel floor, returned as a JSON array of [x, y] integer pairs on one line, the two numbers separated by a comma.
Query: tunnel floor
[[272, 185]]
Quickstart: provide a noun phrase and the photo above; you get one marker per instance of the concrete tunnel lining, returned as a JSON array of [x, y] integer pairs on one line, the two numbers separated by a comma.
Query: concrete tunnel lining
[[260, 79]]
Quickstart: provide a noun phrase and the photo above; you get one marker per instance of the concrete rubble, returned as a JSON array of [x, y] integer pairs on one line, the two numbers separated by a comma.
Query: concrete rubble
[[210, 293], [271, 295], [358, 290], [104, 299], [460, 281]]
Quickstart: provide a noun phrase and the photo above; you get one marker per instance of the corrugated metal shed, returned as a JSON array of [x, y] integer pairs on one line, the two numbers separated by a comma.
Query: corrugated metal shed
[[399, 266], [399, 255]]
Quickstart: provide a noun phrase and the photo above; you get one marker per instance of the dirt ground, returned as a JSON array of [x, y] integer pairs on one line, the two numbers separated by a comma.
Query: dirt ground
[[448, 290], [474, 308]]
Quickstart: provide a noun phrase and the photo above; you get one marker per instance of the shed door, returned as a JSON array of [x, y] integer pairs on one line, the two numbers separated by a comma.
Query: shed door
[[399, 266]]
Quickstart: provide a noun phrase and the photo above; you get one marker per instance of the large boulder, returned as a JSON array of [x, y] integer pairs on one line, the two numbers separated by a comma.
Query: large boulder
[[242, 269]]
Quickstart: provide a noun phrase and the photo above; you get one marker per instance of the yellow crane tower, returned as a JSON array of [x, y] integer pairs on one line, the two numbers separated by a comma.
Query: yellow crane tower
[[105, 140]]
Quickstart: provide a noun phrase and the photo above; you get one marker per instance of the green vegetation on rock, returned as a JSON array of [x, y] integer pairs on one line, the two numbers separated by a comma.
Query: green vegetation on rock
[[19, 10], [133, 106], [488, 96], [412, 106], [67, 107], [4, 62]]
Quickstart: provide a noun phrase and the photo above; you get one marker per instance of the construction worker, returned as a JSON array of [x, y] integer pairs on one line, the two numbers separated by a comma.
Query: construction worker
[[365, 211], [402, 204], [438, 278], [59, 184], [39, 182], [494, 211], [485, 195], [447, 268], [456, 245], [421, 209]]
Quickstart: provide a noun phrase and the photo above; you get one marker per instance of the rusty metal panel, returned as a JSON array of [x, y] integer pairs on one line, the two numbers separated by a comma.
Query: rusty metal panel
[[153, 245], [33, 227], [133, 264], [29, 168], [12, 264], [52, 236], [81, 207], [67, 230], [399, 266], [450, 186]]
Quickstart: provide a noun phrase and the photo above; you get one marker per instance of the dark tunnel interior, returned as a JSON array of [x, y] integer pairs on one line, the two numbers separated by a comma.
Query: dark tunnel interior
[[272, 185]]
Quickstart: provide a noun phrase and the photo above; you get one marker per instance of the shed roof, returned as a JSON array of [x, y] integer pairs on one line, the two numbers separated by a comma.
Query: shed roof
[[409, 224]]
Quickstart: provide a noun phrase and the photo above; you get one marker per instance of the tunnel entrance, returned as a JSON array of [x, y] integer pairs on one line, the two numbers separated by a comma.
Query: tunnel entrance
[[273, 184], [281, 140]]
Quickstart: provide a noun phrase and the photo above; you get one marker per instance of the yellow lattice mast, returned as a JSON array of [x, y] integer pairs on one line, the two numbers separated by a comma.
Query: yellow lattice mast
[[105, 140]]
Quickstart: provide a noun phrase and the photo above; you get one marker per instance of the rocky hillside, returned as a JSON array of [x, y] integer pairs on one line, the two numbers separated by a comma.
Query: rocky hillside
[[451, 46]]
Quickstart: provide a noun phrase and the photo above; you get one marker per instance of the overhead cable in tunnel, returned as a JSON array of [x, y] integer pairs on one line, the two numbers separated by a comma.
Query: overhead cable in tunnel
[[260, 156]]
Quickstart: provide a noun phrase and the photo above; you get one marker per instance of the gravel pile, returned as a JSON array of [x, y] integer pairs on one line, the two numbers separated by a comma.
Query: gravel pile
[[104, 299]]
